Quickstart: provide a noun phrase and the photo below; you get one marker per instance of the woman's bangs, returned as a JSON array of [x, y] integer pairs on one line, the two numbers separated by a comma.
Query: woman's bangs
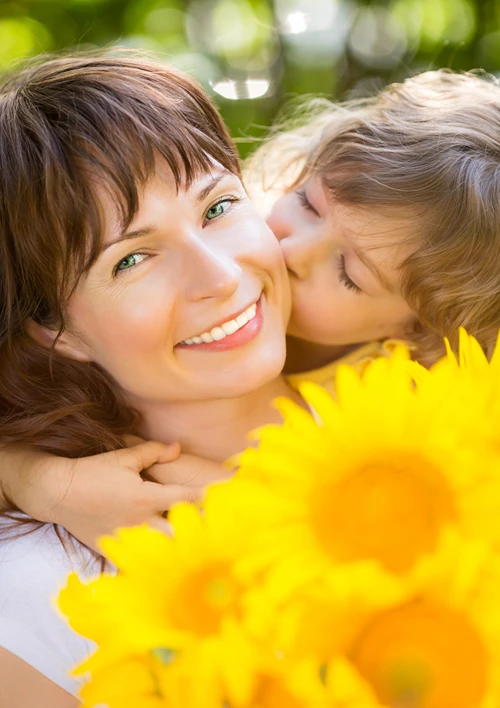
[[128, 159]]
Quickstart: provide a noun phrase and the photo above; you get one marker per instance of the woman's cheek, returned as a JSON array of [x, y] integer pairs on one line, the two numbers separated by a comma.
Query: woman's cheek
[[122, 327], [138, 322]]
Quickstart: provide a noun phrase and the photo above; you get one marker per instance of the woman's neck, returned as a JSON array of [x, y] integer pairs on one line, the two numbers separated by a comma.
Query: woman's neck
[[306, 356], [215, 430]]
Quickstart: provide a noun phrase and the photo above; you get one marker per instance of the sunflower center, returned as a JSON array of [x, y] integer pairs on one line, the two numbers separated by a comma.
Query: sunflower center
[[412, 656], [204, 597], [391, 511]]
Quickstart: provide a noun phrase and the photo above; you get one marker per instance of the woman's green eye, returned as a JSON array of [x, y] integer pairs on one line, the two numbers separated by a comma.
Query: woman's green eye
[[217, 209], [129, 261]]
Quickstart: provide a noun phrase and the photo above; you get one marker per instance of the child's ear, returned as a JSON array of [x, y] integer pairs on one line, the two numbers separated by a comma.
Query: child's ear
[[67, 344], [409, 327]]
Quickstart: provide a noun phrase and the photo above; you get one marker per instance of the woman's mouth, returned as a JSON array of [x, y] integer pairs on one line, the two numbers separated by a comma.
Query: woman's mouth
[[230, 334]]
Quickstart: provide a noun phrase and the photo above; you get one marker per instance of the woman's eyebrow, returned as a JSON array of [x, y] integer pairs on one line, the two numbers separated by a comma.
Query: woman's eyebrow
[[144, 231], [203, 193]]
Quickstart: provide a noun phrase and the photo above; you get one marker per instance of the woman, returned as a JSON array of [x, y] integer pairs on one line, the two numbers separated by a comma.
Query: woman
[[140, 292]]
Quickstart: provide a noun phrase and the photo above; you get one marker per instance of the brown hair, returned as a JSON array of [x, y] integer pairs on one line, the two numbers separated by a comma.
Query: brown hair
[[427, 150], [64, 122]]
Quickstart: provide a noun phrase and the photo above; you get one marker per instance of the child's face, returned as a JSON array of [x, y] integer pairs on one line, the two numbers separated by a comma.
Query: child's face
[[343, 267]]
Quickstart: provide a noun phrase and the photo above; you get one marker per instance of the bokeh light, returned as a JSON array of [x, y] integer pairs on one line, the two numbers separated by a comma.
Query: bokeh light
[[377, 38], [252, 55]]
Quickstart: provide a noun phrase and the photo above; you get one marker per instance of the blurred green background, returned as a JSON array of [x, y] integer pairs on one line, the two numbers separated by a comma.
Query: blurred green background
[[254, 54]]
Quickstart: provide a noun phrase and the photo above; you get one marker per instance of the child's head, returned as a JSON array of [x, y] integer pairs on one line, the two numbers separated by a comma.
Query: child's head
[[406, 185]]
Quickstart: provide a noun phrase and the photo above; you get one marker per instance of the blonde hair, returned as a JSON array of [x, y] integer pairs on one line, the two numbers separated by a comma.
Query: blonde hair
[[427, 149]]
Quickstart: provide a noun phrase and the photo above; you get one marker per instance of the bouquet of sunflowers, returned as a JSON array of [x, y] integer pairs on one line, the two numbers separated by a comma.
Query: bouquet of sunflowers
[[352, 562]]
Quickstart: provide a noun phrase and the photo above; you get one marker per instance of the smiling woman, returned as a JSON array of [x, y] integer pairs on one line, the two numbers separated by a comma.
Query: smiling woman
[[140, 292], [192, 260], [164, 247]]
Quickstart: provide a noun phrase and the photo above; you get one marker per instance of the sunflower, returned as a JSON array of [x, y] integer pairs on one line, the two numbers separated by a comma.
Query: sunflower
[[179, 596], [346, 688], [86, 605], [457, 387], [129, 683], [368, 492], [351, 563], [292, 685], [282, 684], [441, 648]]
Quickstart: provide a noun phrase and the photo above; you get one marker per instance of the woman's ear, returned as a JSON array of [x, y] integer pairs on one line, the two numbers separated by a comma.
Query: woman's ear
[[67, 344]]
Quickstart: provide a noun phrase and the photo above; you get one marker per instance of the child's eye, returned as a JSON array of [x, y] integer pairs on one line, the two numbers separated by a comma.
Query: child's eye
[[301, 193], [344, 278], [129, 262], [220, 208]]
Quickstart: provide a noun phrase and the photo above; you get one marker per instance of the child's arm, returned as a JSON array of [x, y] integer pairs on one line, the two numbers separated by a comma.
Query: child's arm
[[93, 496]]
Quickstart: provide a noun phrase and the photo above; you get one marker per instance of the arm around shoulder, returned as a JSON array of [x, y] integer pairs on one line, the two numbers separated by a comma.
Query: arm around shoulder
[[20, 468], [22, 686]]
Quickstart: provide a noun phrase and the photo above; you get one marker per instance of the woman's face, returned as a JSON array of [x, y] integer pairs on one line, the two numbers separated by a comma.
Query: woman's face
[[343, 266], [191, 303]]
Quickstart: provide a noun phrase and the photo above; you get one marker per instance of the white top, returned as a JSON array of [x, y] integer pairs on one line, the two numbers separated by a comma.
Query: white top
[[33, 568]]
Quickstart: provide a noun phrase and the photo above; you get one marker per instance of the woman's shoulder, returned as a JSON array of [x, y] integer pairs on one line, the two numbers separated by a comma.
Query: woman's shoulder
[[33, 568], [42, 553]]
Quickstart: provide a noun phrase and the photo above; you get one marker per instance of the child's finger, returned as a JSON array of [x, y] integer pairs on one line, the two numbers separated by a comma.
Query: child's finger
[[131, 440], [140, 457], [161, 498], [188, 469]]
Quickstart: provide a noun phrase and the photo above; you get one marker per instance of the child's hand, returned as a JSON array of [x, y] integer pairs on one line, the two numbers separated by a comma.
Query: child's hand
[[92, 496]]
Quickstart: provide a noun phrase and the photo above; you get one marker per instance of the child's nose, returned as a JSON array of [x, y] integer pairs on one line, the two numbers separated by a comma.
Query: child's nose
[[279, 222], [298, 255]]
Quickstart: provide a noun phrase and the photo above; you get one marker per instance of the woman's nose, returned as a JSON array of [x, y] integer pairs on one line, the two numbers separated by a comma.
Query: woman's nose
[[212, 274]]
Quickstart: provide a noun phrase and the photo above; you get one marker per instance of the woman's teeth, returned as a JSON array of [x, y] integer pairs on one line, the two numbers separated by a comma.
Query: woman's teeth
[[218, 333]]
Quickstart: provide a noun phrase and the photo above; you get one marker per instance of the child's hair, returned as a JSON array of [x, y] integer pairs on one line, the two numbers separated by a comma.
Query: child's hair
[[426, 150], [65, 123]]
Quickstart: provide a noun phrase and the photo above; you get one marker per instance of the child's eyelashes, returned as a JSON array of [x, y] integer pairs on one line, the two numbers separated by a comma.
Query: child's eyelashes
[[301, 193], [344, 278]]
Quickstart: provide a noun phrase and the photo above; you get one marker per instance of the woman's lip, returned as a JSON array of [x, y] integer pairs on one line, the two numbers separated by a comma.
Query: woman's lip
[[232, 317], [238, 339]]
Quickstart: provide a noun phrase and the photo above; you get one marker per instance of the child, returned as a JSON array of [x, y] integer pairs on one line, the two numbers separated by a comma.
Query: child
[[389, 224]]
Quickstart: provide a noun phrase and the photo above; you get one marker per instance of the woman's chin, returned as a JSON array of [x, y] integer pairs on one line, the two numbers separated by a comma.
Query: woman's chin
[[248, 379]]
